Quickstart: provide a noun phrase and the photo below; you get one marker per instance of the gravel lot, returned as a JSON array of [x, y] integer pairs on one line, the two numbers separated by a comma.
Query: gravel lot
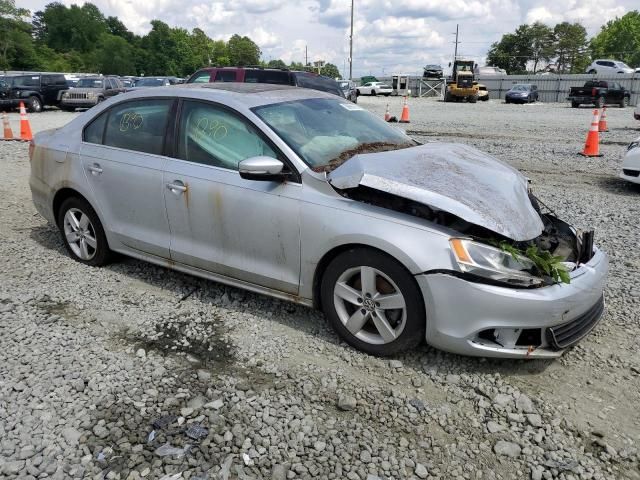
[[91, 358]]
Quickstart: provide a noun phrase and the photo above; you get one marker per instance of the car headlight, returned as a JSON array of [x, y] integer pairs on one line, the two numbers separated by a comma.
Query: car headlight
[[65, 95], [493, 263], [634, 144], [91, 95]]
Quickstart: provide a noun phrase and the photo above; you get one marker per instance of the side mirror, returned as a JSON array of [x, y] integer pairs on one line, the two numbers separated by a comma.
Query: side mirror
[[261, 168]]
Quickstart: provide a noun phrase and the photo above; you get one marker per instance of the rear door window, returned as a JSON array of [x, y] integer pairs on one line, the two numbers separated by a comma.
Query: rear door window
[[94, 131], [138, 125], [225, 76]]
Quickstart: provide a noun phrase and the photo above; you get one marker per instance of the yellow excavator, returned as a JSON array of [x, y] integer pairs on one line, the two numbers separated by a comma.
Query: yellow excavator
[[462, 84]]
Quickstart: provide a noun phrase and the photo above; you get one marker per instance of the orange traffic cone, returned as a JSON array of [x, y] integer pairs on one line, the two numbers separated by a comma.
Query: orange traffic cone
[[8, 134], [602, 124], [404, 118], [387, 115], [25, 127], [592, 144]]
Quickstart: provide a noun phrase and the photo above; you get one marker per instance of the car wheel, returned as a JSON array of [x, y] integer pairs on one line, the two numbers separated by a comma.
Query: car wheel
[[100, 99], [373, 302], [592, 72], [34, 104], [472, 98], [387, 94], [82, 233], [357, 93], [624, 102], [600, 102], [373, 93], [575, 104], [507, 101]]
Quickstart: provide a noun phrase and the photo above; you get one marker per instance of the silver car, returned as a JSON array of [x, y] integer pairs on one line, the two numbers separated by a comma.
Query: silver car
[[307, 197]]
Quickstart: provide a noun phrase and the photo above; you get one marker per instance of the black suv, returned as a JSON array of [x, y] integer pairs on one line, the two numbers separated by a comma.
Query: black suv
[[35, 90], [267, 75]]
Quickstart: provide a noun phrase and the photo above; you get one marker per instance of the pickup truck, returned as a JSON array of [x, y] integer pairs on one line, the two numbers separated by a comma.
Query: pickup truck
[[599, 93]]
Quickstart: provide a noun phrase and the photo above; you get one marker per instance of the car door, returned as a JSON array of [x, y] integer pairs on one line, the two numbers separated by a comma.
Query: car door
[[244, 229], [122, 156]]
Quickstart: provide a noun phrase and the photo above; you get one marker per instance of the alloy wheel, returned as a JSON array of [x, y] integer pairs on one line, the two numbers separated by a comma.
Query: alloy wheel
[[370, 305], [80, 234]]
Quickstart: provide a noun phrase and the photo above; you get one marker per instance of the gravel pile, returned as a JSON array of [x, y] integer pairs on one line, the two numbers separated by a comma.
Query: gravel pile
[[134, 371]]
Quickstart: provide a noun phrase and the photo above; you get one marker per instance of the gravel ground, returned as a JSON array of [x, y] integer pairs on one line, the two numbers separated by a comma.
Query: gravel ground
[[108, 373]]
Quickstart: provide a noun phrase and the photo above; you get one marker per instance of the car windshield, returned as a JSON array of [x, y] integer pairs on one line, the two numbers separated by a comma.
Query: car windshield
[[150, 82], [344, 85], [520, 88], [89, 83], [325, 132], [623, 65]]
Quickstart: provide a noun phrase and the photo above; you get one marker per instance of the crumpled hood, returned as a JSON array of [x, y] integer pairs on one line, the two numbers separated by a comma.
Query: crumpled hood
[[451, 177]]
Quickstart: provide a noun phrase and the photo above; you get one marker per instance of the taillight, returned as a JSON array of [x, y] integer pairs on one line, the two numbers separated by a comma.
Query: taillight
[[32, 147]]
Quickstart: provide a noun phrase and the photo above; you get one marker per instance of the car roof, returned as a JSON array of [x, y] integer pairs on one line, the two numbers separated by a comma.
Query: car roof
[[247, 95]]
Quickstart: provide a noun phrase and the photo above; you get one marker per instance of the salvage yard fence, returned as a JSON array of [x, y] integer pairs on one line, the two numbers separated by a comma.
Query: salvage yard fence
[[551, 88]]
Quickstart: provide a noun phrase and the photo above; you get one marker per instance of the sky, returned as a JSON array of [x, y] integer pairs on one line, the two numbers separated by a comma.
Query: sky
[[389, 36]]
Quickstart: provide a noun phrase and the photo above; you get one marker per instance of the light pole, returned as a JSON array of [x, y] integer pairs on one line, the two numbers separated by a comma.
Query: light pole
[[351, 46]]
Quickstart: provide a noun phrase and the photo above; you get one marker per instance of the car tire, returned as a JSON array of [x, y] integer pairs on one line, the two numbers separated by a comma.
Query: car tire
[[507, 101], [34, 104], [82, 233], [592, 72], [624, 102], [387, 94], [373, 93], [472, 98], [599, 102], [575, 104], [345, 300], [100, 99], [357, 93]]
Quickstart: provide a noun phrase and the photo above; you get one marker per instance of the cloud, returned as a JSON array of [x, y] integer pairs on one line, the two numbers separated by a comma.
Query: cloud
[[263, 38]]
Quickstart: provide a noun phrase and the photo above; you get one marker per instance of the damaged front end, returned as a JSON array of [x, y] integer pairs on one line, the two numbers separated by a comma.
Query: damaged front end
[[506, 238]]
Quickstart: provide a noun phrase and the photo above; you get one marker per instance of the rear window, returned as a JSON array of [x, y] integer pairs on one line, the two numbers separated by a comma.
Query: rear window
[[267, 76], [317, 82]]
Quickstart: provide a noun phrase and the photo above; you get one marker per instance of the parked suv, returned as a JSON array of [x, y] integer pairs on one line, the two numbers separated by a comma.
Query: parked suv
[[90, 91], [267, 75], [35, 90], [608, 66]]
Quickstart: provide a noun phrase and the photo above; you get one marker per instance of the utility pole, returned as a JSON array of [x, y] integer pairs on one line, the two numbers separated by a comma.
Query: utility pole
[[455, 53], [351, 46], [306, 56]]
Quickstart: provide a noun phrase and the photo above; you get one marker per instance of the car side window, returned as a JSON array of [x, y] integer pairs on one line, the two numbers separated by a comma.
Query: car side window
[[212, 135], [138, 125], [225, 76], [94, 131], [202, 77]]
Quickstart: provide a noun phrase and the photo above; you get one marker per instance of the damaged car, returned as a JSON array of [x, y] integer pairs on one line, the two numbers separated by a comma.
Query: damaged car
[[306, 197]]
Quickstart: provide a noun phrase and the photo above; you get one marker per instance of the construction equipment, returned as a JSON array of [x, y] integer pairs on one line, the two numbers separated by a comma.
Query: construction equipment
[[462, 85]]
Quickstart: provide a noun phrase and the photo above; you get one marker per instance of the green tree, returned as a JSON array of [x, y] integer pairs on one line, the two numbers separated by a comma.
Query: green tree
[[114, 56], [161, 51], [276, 64], [243, 51], [220, 54], [510, 53], [117, 28], [570, 47], [542, 43], [330, 70], [14, 32], [74, 28], [619, 39]]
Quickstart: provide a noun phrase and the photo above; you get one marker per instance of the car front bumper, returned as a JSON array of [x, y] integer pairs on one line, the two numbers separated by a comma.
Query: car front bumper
[[78, 102], [631, 166], [478, 319]]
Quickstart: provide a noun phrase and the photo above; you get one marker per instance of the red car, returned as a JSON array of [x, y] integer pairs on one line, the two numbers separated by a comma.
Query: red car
[[266, 75]]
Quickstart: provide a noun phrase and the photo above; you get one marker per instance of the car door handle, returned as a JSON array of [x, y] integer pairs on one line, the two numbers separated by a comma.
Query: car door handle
[[177, 187], [95, 169]]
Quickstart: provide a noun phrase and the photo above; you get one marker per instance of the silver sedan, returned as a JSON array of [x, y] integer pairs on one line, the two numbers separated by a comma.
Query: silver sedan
[[304, 196]]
